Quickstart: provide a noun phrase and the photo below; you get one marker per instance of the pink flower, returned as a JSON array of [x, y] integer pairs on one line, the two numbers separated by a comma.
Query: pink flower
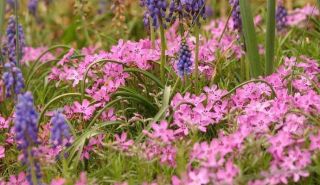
[[122, 142], [66, 57], [18, 180], [199, 178], [228, 174], [279, 142], [59, 181], [73, 74], [4, 124], [2, 152], [83, 179], [161, 132], [315, 142], [85, 109]]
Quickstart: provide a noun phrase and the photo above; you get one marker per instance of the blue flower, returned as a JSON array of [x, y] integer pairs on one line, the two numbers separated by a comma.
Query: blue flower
[[191, 10], [155, 10], [12, 40], [281, 17], [26, 130], [185, 61], [33, 6], [60, 132], [236, 17]]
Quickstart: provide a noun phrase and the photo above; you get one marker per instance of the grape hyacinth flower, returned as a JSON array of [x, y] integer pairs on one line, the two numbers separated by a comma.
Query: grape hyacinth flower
[[26, 130], [185, 61], [12, 40], [102, 6], [156, 10], [60, 132], [13, 79], [281, 17], [33, 6], [191, 10], [236, 17], [11, 3]]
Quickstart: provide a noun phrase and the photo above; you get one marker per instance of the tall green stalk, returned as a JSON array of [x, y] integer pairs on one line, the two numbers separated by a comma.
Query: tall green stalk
[[152, 34], [32, 167], [270, 36], [2, 12], [196, 66], [250, 39], [17, 33], [163, 52]]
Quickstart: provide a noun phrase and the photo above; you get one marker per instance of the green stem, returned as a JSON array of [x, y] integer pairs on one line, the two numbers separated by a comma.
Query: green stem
[[65, 165], [83, 83], [31, 74], [163, 52], [103, 109], [196, 66], [17, 33], [53, 101], [32, 168], [2, 12], [45, 52], [270, 36], [152, 35], [245, 83]]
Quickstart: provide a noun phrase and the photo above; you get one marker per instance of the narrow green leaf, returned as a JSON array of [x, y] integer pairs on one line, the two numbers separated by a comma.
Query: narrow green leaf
[[147, 74], [270, 36], [2, 12], [137, 96], [250, 38]]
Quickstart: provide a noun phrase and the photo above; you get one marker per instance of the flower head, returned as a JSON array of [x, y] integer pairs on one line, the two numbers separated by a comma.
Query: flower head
[[236, 17], [281, 17], [26, 129], [185, 61], [60, 132]]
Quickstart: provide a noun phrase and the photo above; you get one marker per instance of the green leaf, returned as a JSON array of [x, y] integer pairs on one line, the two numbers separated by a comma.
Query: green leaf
[[2, 12], [250, 38], [147, 74], [270, 36], [138, 97]]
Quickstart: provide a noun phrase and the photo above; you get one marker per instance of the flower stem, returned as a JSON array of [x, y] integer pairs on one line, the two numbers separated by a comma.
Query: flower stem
[[17, 33], [32, 168], [163, 52], [196, 67], [152, 34]]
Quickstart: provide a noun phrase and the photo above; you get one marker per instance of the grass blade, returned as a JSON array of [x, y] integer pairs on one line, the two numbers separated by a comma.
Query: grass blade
[[250, 38], [2, 11], [270, 36]]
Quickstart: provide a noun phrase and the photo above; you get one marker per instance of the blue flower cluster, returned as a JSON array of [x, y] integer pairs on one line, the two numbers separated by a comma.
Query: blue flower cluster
[[281, 17], [26, 130], [156, 10], [11, 3], [102, 6], [60, 131], [187, 9], [12, 77], [12, 39], [33, 6], [236, 17], [185, 61]]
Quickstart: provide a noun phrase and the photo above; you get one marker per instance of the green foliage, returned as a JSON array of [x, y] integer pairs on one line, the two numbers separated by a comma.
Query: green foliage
[[250, 38], [270, 36]]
